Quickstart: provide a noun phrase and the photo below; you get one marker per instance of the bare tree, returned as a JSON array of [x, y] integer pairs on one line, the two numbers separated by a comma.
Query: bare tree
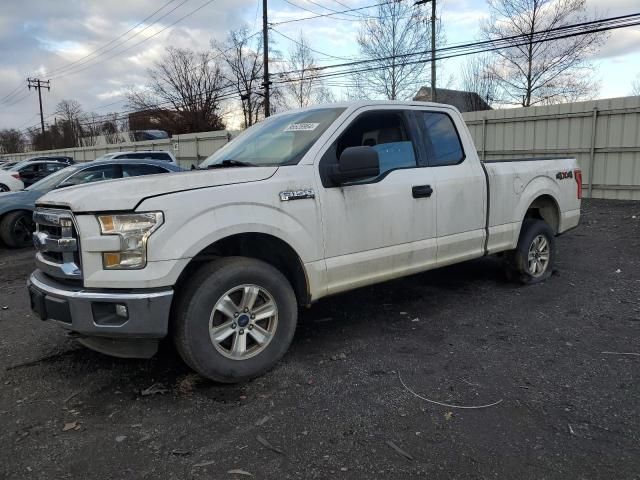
[[477, 76], [109, 128], [398, 28], [242, 56], [530, 72], [635, 86], [303, 86], [184, 92], [66, 131], [11, 141], [90, 129]]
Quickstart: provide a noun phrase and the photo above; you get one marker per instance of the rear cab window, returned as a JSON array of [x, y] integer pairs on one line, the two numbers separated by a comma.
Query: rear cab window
[[441, 139]]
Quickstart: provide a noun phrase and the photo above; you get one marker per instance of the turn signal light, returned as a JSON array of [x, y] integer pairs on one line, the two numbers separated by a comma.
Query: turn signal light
[[111, 259]]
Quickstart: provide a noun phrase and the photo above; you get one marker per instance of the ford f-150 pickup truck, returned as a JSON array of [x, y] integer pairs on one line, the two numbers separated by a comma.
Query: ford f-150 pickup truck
[[303, 205]]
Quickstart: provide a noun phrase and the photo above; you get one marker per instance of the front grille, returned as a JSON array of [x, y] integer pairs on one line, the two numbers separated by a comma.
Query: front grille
[[56, 239]]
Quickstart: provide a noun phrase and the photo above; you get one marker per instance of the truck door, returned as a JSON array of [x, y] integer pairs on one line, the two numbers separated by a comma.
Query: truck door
[[383, 227], [460, 185]]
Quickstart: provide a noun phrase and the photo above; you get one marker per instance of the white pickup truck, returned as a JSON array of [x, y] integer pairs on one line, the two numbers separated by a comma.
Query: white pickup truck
[[303, 205]]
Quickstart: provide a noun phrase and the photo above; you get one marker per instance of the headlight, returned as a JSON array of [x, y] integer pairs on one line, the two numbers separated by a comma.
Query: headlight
[[134, 230]]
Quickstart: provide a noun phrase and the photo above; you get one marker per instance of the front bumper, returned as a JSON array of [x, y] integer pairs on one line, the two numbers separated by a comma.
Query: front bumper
[[110, 320]]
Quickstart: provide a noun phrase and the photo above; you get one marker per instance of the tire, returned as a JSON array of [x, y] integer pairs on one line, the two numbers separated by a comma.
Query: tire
[[198, 315], [532, 260], [16, 229], [4, 188]]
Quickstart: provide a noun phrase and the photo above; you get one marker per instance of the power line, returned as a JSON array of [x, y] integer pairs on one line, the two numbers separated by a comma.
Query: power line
[[316, 13], [307, 46], [143, 40], [336, 13], [60, 69], [500, 43], [12, 93], [65, 67]]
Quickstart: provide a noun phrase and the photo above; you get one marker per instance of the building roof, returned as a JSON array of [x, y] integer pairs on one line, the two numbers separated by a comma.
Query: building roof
[[463, 101]]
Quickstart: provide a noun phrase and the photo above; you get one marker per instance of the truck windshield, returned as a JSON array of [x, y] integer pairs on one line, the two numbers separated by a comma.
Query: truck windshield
[[280, 140]]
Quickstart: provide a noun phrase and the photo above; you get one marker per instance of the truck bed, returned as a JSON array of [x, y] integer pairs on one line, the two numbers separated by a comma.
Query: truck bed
[[515, 183]]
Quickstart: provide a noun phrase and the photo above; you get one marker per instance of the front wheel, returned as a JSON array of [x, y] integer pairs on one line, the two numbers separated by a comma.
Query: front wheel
[[16, 229], [532, 260], [234, 319]]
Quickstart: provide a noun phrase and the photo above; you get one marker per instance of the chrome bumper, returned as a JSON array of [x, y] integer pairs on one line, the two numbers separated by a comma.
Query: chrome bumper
[[116, 314]]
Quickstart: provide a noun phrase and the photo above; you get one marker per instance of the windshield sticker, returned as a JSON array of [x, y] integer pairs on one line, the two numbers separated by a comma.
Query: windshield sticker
[[301, 127]]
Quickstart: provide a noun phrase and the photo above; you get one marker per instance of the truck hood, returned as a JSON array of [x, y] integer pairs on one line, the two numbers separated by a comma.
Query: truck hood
[[126, 193]]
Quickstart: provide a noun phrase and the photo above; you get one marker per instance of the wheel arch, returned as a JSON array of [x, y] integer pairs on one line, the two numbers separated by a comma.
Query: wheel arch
[[261, 246], [545, 207]]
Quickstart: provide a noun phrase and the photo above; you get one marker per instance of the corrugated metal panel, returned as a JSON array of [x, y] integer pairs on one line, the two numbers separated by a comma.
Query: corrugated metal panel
[[568, 130]]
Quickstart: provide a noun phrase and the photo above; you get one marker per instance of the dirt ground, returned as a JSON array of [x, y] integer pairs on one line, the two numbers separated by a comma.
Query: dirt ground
[[336, 407]]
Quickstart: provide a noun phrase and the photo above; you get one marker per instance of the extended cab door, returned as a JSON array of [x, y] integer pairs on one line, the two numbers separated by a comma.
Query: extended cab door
[[460, 183], [383, 227]]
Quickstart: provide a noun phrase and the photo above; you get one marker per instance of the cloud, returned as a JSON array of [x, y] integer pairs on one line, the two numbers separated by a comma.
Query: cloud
[[620, 43], [42, 38]]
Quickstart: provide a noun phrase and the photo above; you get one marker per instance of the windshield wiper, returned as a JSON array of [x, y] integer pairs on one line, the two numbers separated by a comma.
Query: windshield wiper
[[230, 163]]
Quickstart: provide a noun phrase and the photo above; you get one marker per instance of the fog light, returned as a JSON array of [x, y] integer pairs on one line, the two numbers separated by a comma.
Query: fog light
[[121, 310]]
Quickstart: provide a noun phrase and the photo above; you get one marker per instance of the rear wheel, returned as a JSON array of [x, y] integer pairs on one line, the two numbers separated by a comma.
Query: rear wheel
[[3, 188], [532, 260], [16, 229], [234, 319]]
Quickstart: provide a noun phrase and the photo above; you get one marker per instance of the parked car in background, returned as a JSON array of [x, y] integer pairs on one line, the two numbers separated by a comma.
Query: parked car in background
[[158, 155], [16, 208], [141, 135], [8, 165], [56, 158], [10, 181], [33, 171]]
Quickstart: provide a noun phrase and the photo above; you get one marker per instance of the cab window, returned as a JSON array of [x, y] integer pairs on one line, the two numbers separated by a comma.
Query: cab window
[[385, 132]]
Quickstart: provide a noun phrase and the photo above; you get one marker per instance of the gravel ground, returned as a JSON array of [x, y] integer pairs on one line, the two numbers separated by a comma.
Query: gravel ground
[[336, 407]]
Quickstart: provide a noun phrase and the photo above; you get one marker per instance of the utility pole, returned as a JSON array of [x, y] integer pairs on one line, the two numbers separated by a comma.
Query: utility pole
[[39, 85], [265, 60], [433, 45], [433, 51]]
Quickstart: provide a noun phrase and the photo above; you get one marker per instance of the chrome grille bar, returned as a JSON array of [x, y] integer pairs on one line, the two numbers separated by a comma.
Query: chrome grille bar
[[56, 241]]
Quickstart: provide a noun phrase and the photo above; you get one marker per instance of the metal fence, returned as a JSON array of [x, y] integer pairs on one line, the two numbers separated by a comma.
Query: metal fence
[[189, 149], [604, 135]]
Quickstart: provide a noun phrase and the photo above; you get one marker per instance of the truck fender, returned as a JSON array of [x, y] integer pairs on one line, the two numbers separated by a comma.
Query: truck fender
[[540, 188]]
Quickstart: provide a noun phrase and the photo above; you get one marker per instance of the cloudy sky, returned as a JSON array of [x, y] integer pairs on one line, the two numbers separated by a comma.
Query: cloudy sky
[[54, 39]]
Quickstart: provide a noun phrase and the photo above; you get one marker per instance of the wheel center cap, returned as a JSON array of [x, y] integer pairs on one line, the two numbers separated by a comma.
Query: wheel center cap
[[243, 320]]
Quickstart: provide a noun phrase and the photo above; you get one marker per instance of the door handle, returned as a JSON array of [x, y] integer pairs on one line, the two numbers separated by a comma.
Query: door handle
[[422, 191]]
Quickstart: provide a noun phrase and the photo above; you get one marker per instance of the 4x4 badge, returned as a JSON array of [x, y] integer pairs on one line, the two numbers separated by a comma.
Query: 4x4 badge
[[297, 194]]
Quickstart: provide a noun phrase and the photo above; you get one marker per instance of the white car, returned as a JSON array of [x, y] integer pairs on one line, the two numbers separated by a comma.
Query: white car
[[160, 155], [303, 205], [10, 181]]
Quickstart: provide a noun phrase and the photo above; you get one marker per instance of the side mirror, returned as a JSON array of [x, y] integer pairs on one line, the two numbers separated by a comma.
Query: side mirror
[[356, 163]]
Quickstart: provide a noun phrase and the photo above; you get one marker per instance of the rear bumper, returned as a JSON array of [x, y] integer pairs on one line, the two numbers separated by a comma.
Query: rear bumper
[[108, 314]]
